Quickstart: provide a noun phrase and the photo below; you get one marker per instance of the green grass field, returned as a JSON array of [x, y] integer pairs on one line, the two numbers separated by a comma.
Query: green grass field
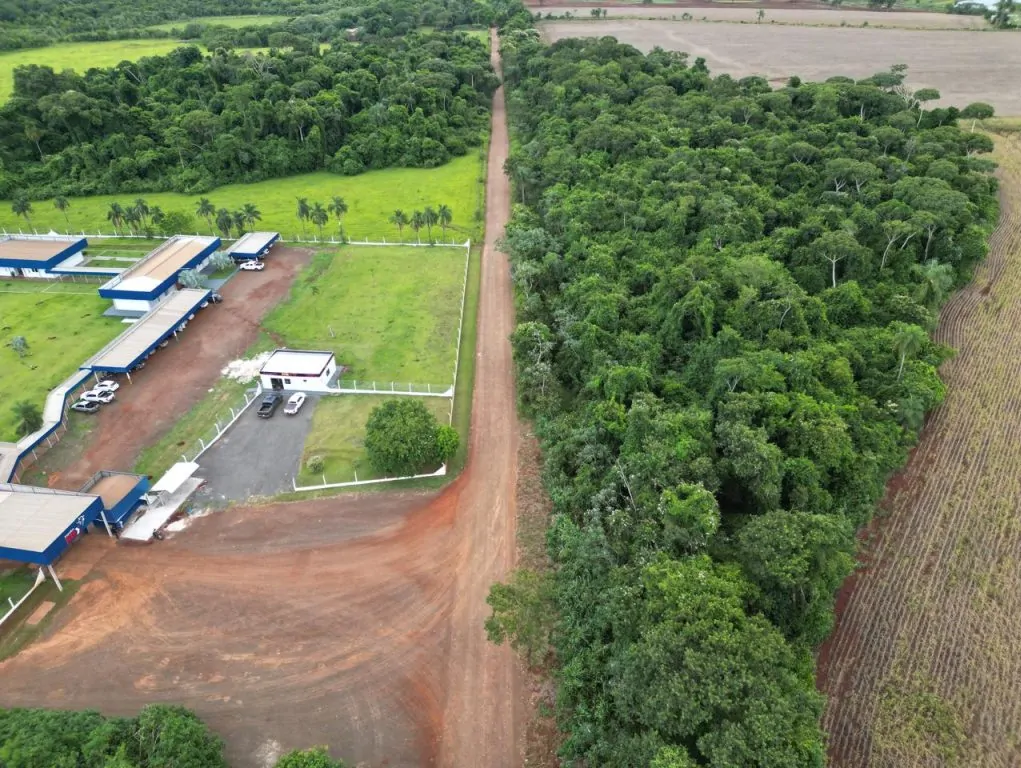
[[393, 311], [79, 57], [338, 435], [371, 198], [235, 22], [63, 324]]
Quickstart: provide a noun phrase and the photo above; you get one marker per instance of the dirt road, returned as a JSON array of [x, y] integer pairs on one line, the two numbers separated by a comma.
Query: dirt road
[[176, 378], [354, 621], [925, 663]]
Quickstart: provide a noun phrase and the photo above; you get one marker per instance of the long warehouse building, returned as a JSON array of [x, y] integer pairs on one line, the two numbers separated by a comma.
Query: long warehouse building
[[142, 287]]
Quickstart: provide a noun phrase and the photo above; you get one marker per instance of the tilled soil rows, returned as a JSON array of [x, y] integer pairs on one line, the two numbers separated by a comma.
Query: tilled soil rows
[[924, 667]]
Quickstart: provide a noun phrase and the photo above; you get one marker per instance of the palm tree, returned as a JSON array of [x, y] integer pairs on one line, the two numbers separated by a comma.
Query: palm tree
[[142, 209], [132, 218], [338, 207], [224, 221], [400, 218], [156, 215], [239, 222], [206, 210], [23, 207], [251, 214], [28, 416], [936, 280], [446, 217], [115, 216], [430, 217], [302, 213], [319, 216], [907, 341], [61, 203], [417, 222]]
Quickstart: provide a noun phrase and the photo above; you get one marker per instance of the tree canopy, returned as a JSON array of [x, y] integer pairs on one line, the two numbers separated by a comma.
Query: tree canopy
[[724, 292]]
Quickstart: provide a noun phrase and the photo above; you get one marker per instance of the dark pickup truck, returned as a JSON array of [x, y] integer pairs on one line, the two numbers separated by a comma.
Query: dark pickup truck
[[269, 405]]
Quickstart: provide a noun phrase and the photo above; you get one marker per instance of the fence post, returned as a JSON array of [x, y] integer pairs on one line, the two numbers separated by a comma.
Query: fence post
[[202, 443]]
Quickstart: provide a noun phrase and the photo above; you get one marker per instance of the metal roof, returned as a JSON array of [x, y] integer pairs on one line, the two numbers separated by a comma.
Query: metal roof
[[161, 263], [123, 352], [296, 362], [32, 518], [175, 477], [254, 243], [35, 248]]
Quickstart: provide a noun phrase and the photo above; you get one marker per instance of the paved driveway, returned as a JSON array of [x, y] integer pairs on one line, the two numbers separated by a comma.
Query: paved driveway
[[257, 457]]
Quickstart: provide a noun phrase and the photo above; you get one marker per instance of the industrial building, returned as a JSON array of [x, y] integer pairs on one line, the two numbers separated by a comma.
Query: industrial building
[[120, 493], [39, 256], [38, 524], [254, 245], [298, 369], [123, 354], [142, 287]]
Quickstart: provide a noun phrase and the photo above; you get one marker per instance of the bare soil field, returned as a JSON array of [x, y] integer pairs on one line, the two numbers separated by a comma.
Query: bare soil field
[[748, 14], [964, 66], [354, 621], [924, 667]]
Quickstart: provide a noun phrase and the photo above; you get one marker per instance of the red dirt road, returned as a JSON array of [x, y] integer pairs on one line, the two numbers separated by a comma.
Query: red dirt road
[[176, 378], [354, 621]]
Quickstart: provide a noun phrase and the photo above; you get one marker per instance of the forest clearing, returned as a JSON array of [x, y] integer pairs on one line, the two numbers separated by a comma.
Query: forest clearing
[[923, 668], [964, 66]]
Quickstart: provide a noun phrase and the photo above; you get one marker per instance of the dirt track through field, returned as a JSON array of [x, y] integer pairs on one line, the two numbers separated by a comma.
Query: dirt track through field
[[924, 667], [354, 621]]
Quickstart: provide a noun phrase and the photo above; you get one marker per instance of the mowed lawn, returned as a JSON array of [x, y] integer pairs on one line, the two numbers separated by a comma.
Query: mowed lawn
[[79, 57], [235, 22], [63, 325], [389, 313], [338, 435], [371, 198]]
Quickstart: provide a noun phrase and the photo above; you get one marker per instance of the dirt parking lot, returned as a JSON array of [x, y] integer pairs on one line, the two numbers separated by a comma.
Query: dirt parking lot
[[964, 66], [833, 16], [256, 457]]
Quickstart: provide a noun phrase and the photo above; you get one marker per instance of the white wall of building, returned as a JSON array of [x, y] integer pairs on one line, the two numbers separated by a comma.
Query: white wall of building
[[301, 383], [133, 305]]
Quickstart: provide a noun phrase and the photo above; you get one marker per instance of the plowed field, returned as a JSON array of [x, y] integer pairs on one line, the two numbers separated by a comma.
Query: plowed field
[[924, 668]]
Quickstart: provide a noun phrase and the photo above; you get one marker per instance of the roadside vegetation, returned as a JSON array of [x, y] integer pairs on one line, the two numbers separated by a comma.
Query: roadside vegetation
[[47, 330], [725, 294]]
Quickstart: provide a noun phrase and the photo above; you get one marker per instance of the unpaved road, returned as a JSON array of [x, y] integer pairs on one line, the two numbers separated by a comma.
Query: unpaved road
[[965, 66], [354, 621], [924, 667], [177, 377]]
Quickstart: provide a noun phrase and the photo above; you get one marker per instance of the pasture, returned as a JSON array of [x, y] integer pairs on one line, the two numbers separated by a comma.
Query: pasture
[[235, 22], [371, 198], [338, 436], [79, 57], [389, 313], [964, 66], [63, 325]]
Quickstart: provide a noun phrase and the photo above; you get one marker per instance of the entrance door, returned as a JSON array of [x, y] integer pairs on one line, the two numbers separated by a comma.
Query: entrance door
[[276, 383]]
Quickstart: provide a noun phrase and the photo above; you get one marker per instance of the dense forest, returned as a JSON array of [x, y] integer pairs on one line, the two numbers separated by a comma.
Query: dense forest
[[187, 123], [724, 292], [160, 737]]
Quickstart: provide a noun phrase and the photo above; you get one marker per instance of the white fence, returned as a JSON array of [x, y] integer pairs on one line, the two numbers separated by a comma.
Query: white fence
[[361, 387], [441, 472], [39, 579], [222, 426]]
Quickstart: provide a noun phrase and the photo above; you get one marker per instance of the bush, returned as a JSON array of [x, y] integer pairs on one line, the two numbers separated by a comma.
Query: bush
[[401, 438], [447, 441], [315, 464]]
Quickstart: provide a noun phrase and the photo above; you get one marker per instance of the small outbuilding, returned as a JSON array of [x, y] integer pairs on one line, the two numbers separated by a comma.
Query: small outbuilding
[[120, 492], [298, 369], [142, 287], [254, 245], [39, 256]]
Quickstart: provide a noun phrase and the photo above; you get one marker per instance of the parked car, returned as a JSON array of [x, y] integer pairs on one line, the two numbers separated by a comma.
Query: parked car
[[214, 298], [85, 406], [269, 405], [107, 385], [103, 396], [294, 403], [252, 266]]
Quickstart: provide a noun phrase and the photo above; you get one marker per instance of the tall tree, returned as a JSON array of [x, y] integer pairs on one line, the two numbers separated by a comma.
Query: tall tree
[[338, 207], [28, 417], [417, 222], [319, 216], [251, 214], [224, 221], [400, 219], [22, 206], [62, 204], [446, 216], [906, 343], [302, 212], [206, 210], [115, 215], [430, 217]]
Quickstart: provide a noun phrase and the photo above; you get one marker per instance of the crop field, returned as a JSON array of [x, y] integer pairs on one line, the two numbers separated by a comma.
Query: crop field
[[748, 14], [964, 66], [389, 313], [235, 22], [62, 323], [371, 198], [925, 664], [338, 435], [79, 57]]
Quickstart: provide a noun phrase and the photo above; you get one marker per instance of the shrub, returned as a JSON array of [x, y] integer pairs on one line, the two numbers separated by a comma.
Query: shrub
[[315, 464], [401, 438]]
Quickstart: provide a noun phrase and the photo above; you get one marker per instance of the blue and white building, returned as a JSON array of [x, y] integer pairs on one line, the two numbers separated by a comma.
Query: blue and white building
[[149, 281], [254, 245], [40, 256]]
